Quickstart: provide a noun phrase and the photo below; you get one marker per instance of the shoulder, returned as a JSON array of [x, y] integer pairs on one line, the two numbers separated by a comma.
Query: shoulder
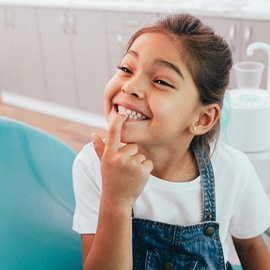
[[87, 187], [235, 176], [229, 157], [239, 191], [86, 165], [86, 156]]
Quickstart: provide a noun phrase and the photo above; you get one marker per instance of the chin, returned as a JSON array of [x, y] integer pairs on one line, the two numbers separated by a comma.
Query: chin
[[127, 138]]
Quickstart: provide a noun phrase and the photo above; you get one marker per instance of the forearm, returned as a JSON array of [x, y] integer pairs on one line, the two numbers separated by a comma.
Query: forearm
[[125, 173], [253, 255], [112, 246]]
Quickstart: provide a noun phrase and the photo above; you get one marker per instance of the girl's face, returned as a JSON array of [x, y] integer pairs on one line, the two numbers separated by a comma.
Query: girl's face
[[154, 86]]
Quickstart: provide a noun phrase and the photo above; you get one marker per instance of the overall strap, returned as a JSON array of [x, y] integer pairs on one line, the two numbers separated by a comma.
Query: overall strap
[[208, 184]]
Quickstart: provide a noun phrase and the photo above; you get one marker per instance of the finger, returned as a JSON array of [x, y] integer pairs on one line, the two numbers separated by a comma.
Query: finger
[[148, 165], [114, 133], [130, 149], [98, 144], [140, 158]]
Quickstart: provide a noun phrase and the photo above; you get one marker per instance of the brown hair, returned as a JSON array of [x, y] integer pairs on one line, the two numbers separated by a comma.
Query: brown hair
[[207, 56]]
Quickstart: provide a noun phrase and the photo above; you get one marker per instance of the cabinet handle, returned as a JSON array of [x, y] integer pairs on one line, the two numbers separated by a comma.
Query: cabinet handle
[[121, 43], [232, 36], [63, 22], [247, 36], [72, 23], [131, 23]]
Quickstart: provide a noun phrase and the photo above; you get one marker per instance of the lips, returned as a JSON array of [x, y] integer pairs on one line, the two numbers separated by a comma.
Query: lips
[[132, 113]]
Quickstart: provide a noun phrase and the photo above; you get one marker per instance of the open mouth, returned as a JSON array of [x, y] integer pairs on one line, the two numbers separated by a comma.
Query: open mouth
[[132, 114]]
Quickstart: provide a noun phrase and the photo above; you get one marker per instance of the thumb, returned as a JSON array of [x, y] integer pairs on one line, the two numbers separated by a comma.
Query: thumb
[[98, 144]]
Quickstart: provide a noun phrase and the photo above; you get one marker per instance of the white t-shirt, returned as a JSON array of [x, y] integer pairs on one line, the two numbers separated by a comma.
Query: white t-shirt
[[242, 206]]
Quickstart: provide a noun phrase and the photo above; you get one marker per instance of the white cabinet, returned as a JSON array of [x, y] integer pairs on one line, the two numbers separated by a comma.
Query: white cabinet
[[120, 27], [67, 55], [90, 59], [74, 51], [20, 59], [239, 34], [55, 34]]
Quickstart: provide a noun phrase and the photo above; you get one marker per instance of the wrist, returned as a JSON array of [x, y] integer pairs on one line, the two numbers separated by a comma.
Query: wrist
[[115, 205]]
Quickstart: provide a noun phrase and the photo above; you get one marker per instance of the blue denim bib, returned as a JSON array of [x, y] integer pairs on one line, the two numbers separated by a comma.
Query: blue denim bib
[[158, 245]]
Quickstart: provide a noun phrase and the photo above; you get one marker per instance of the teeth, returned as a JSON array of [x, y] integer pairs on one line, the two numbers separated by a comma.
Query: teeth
[[131, 114]]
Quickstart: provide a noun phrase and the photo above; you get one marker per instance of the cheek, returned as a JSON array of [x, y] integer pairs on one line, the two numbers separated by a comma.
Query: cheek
[[109, 92], [174, 114], [163, 108]]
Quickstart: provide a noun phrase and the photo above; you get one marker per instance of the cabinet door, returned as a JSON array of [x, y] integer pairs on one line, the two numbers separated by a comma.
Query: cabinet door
[[27, 53], [256, 31], [229, 29], [120, 27], [90, 55], [8, 74], [56, 48]]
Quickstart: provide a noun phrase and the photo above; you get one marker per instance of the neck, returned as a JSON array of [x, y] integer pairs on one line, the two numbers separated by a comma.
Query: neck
[[173, 164]]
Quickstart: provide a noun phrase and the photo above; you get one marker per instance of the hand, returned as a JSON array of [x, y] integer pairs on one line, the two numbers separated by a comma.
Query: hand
[[124, 171]]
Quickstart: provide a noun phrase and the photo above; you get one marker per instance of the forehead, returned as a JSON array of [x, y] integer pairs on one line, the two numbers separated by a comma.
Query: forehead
[[153, 46], [157, 42]]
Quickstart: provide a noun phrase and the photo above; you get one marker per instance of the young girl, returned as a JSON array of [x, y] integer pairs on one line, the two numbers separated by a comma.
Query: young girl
[[160, 193]]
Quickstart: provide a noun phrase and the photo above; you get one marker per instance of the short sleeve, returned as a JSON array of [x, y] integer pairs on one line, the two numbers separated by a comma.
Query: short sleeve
[[252, 215], [87, 190]]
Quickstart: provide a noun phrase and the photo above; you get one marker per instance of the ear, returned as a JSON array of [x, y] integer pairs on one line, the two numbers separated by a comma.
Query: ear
[[206, 119]]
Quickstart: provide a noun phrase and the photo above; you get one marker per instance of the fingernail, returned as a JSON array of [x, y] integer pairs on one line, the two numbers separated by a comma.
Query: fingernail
[[122, 113], [125, 114]]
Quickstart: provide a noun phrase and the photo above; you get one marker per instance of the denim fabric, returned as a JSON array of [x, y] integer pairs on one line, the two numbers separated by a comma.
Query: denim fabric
[[159, 245]]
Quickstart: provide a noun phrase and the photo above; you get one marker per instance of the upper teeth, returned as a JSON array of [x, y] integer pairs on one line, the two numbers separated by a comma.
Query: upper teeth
[[131, 114]]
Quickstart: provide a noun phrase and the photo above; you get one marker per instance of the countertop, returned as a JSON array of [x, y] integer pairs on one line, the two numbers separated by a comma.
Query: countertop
[[241, 9]]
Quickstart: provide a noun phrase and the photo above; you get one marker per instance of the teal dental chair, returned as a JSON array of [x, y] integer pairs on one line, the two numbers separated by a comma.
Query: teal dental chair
[[36, 200]]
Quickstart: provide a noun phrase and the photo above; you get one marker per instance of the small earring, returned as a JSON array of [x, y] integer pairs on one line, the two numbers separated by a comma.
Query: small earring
[[194, 128]]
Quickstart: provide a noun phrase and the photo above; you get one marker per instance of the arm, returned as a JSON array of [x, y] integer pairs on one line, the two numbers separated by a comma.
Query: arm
[[124, 175], [111, 247], [253, 253]]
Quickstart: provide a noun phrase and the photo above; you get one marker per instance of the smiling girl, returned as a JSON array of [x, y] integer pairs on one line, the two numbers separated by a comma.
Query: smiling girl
[[162, 193]]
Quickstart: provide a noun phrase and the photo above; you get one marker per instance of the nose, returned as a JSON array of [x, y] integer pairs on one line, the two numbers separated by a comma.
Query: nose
[[134, 87]]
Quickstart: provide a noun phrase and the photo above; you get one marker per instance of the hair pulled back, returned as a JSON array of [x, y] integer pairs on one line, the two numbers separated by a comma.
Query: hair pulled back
[[207, 57]]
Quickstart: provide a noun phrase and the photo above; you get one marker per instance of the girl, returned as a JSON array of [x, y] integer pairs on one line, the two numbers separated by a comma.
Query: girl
[[161, 192]]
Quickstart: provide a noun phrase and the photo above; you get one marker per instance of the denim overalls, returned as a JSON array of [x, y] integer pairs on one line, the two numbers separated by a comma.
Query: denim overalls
[[159, 245]]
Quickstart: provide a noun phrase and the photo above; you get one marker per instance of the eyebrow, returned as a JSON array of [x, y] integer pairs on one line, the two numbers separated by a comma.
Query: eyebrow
[[170, 65], [160, 62], [135, 54]]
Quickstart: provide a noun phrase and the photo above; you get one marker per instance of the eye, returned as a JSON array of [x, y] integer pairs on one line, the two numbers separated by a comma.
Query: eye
[[161, 82], [124, 69]]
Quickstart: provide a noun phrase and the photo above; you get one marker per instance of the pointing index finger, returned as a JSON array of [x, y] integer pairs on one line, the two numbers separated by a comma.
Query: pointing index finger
[[114, 134]]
